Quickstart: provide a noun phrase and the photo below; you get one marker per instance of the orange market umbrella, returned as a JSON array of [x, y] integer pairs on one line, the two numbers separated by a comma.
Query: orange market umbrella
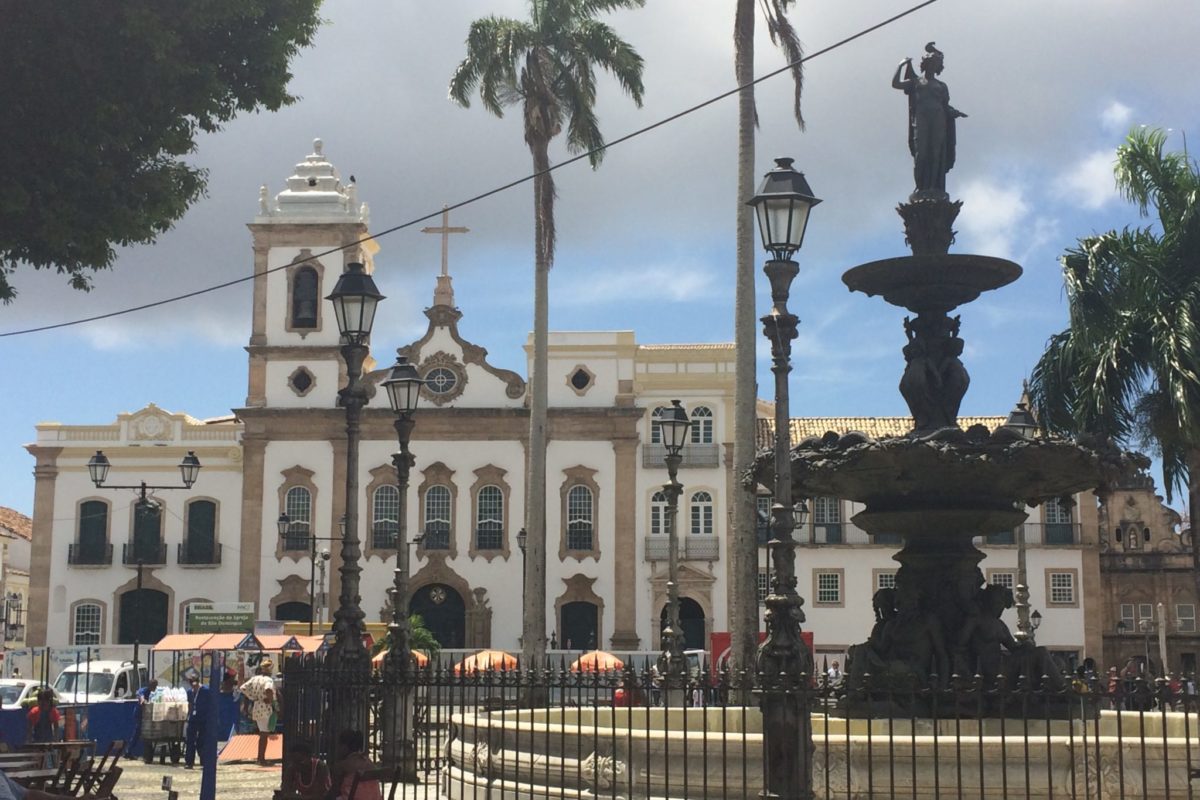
[[596, 661], [485, 660], [419, 658]]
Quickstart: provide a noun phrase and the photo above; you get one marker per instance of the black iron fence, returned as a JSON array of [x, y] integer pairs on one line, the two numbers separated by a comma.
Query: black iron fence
[[557, 732]]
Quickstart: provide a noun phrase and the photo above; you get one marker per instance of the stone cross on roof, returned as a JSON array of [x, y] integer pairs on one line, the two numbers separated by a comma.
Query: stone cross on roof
[[443, 295]]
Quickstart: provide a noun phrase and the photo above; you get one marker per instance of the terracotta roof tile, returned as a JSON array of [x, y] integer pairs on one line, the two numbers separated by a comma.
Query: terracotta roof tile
[[16, 522], [875, 427]]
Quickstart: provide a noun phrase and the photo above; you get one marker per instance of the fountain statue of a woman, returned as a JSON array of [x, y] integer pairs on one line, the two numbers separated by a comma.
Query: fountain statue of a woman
[[930, 123]]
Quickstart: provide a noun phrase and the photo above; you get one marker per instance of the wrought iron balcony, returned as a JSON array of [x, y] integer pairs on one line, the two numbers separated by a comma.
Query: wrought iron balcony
[[1040, 533], [89, 555], [148, 554], [694, 455], [198, 556], [691, 548]]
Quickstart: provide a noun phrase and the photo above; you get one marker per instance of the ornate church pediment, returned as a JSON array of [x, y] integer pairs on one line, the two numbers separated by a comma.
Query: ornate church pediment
[[151, 424]]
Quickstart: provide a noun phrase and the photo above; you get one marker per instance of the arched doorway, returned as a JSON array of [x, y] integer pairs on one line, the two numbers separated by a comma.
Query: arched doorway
[[579, 626], [443, 611], [691, 620], [143, 616], [293, 612]]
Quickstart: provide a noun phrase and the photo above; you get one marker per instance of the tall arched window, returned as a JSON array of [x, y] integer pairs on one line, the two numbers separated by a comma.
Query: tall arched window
[[580, 518], [92, 544], [200, 540], [658, 513], [147, 535], [489, 520], [85, 627], [702, 425], [298, 507], [655, 428], [437, 518], [702, 514], [385, 508], [305, 298]]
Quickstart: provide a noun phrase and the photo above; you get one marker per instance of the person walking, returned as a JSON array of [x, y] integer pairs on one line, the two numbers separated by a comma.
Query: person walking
[[259, 692]]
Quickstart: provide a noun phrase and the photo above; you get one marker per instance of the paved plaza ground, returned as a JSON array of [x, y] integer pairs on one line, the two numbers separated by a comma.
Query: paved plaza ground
[[141, 781]]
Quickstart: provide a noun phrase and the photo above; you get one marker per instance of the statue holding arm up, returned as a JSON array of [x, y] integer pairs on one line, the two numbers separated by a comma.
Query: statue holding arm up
[[931, 138]]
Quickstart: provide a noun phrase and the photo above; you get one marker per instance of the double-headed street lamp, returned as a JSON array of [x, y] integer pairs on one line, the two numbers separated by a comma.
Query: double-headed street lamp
[[673, 424], [784, 664], [189, 470]]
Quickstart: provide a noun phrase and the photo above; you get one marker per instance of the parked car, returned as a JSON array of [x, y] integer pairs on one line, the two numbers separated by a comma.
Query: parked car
[[14, 692], [100, 681]]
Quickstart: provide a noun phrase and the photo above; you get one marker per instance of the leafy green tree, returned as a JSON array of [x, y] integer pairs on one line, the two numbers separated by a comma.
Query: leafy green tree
[[103, 100], [419, 638], [1128, 367], [743, 625], [547, 66]]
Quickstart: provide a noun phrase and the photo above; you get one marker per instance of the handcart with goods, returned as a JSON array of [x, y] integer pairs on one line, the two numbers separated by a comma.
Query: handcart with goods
[[163, 722]]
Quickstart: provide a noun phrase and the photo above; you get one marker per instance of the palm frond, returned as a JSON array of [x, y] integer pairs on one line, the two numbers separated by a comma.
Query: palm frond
[[782, 34]]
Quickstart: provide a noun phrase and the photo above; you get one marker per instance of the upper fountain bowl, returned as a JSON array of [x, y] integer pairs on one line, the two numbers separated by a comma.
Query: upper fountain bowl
[[936, 283]]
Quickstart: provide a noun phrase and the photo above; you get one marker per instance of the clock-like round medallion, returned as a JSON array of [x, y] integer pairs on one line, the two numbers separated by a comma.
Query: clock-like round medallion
[[437, 595], [441, 380]]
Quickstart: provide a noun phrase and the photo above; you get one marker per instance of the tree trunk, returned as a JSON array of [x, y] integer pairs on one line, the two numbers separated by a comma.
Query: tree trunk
[[1193, 465], [743, 549], [533, 628]]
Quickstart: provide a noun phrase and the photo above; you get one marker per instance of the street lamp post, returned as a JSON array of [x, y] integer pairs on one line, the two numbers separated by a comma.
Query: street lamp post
[[784, 663], [1022, 421], [674, 424], [98, 467], [522, 540], [284, 525], [403, 387], [1146, 626], [354, 299]]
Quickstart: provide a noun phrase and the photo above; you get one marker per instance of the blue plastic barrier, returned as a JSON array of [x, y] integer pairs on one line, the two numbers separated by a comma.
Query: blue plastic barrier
[[102, 722]]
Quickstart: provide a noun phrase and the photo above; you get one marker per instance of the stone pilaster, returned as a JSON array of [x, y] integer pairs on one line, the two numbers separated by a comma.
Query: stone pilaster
[[624, 559], [250, 559], [45, 474]]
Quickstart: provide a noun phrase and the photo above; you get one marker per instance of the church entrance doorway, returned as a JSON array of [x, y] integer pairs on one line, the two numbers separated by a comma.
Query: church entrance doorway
[[580, 626], [293, 612], [691, 621], [443, 611]]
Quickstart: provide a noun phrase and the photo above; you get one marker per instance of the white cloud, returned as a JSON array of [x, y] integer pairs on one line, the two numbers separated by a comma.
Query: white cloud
[[1116, 117], [676, 283], [1089, 184], [993, 218]]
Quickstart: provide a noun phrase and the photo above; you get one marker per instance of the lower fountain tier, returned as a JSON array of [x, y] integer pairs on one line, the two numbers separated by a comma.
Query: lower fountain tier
[[931, 283]]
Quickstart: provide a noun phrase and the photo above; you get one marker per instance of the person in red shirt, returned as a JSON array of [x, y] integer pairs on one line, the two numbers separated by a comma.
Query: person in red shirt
[[43, 719]]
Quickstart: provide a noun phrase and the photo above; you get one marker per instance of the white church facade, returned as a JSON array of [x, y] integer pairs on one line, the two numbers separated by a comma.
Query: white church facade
[[283, 452]]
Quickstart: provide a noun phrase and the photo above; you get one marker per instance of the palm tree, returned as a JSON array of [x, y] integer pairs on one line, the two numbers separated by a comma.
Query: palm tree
[[743, 623], [1128, 367], [547, 65]]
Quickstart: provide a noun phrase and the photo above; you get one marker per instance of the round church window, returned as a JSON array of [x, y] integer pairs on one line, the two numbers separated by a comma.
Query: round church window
[[441, 380]]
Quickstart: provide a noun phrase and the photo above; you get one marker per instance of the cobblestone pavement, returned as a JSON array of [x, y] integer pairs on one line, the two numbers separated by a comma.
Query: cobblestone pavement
[[141, 781]]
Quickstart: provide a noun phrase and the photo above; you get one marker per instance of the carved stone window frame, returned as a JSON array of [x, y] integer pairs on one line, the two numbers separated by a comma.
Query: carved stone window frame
[[490, 475], [587, 387], [816, 583], [292, 385], [579, 475], [383, 475], [302, 261], [292, 589], [438, 474], [292, 477], [149, 581], [692, 502]]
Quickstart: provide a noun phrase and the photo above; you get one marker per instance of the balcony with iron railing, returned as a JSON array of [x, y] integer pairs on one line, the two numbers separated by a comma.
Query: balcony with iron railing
[[1039, 533], [694, 455], [198, 554], [692, 547], [132, 553], [81, 555]]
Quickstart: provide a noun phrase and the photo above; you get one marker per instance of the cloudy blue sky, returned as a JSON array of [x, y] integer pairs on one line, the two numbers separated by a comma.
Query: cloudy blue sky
[[645, 242]]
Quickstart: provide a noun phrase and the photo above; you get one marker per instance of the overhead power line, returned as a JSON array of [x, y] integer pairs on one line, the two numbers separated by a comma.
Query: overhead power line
[[483, 195]]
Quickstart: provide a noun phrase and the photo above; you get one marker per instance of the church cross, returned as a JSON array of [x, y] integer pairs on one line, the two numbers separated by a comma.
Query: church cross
[[445, 230]]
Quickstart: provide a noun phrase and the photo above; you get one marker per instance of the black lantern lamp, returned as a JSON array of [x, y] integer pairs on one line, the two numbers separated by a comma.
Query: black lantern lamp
[[354, 299], [403, 385], [522, 538], [283, 524], [1021, 420], [674, 424], [800, 513], [782, 204], [189, 468], [1035, 619], [98, 466]]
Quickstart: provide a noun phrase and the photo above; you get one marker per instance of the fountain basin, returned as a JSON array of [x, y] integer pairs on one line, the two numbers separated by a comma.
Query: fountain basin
[[931, 283], [585, 753]]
